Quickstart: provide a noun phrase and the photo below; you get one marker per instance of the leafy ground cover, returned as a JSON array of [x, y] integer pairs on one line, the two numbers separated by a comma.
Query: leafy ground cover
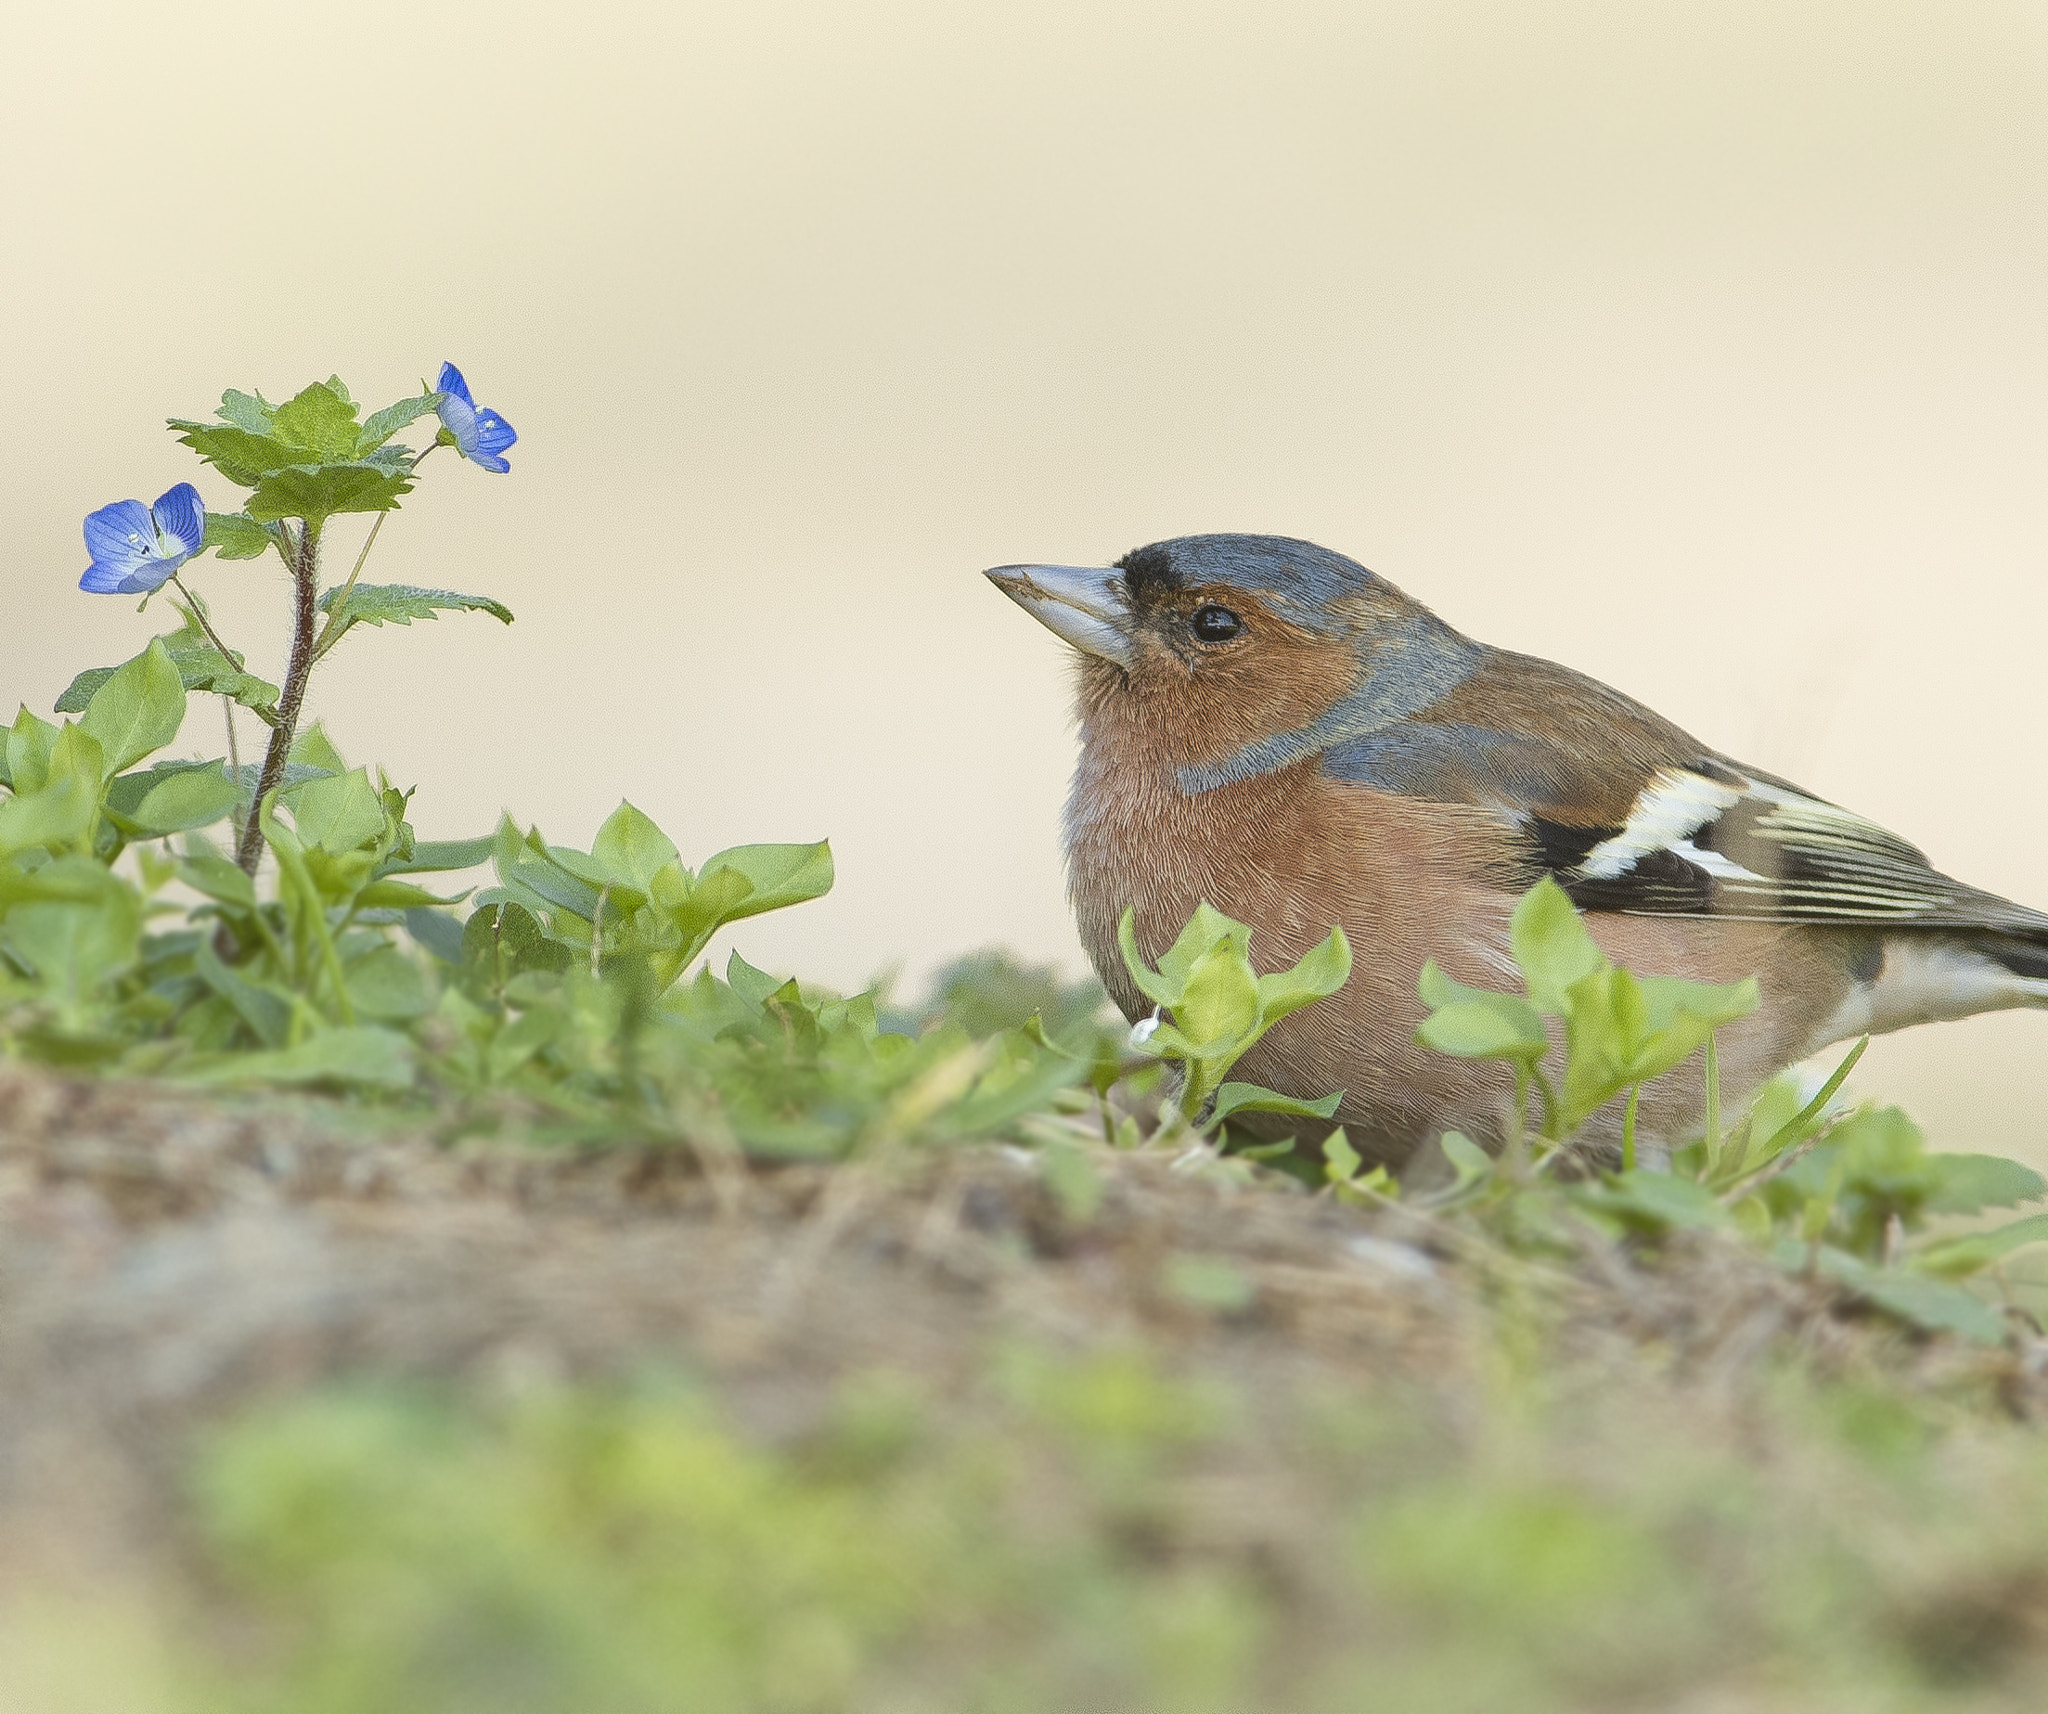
[[418, 1292]]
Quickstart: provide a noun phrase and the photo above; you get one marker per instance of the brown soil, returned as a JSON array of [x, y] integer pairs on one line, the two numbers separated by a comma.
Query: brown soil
[[165, 1258]]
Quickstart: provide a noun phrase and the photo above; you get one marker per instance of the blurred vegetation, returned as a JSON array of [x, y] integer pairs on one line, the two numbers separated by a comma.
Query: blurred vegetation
[[1095, 1533]]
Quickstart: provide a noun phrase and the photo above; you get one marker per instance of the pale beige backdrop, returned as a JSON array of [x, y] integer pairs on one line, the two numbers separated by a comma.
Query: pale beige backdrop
[[1701, 346]]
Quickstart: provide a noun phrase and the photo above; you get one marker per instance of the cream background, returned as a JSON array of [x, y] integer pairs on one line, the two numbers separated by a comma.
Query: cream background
[[1699, 346]]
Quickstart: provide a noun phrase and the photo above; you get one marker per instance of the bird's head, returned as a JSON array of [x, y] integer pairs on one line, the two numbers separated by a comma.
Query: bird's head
[[1235, 651]]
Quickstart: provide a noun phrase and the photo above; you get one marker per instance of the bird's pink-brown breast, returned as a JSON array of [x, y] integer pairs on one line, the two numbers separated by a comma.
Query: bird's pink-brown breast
[[1295, 850], [1282, 851]]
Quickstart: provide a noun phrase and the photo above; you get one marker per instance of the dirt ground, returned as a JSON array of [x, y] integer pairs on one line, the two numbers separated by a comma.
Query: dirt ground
[[165, 1259]]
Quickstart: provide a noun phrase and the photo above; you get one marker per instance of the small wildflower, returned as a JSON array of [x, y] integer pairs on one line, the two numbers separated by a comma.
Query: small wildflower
[[135, 548], [1145, 1029], [480, 436]]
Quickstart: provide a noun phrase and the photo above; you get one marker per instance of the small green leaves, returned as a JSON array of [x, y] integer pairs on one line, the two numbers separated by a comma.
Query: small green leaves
[[138, 709], [1471, 1023], [1552, 948], [1220, 1005], [1620, 1030], [396, 604], [325, 490], [236, 535]]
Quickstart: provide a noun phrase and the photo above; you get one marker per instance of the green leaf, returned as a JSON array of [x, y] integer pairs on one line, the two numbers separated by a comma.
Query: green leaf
[[243, 455], [324, 490], [1655, 1202], [249, 411], [236, 535], [439, 856], [1935, 1304], [1160, 989], [361, 1055], [73, 948], [752, 985], [319, 423], [1953, 1258], [388, 894], [382, 425], [437, 931], [1235, 1098], [631, 845], [501, 941], [1322, 971], [1340, 1160], [1219, 1000], [1486, 1026], [137, 710], [178, 798], [338, 813], [1967, 1184], [779, 875], [29, 743], [1468, 1160], [401, 604], [206, 871], [386, 984], [267, 1012], [1551, 945], [56, 815]]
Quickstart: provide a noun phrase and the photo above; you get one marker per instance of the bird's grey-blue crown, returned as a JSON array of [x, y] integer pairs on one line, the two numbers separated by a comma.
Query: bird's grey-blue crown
[[1405, 664], [1306, 579]]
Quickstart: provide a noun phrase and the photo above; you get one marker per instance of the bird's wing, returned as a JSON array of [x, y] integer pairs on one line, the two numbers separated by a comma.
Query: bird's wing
[[1632, 815]]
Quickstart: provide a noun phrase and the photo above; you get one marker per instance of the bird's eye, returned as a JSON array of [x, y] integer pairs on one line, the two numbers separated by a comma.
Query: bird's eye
[[1213, 624]]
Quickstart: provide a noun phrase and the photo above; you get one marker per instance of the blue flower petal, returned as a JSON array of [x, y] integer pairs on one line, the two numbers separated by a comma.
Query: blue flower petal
[[493, 436], [121, 534], [458, 417], [450, 381], [180, 517]]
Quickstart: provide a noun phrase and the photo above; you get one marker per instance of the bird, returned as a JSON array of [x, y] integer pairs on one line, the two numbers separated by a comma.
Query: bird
[[1268, 727]]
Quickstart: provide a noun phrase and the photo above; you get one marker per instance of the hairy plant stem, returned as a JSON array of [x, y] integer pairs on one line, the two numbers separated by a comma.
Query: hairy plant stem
[[302, 554]]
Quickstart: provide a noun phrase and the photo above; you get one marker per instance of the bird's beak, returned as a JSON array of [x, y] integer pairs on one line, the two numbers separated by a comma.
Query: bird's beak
[[1081, 603]]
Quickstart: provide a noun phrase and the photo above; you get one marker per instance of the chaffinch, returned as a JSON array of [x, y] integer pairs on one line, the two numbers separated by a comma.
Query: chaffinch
[[1269, 726]]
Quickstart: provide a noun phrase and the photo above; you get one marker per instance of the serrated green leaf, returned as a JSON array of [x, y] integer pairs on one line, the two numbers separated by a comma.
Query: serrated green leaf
[[382, 425], [138, 709], [326, 490], [319, 423], [243, 456], [249, 411], [401, 604], [236, 535], [1935, 1304], [1234, 1098]]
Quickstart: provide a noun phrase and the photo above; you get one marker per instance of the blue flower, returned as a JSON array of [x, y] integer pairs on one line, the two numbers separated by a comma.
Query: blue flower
[[480, 436], [135, 548]]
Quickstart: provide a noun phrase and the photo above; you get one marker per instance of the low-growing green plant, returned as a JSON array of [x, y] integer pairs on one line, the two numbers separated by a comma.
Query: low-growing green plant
[[130, 941]]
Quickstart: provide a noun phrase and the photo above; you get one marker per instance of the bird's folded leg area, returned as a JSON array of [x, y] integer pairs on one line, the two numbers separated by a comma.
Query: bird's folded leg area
[[1083, 604]]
